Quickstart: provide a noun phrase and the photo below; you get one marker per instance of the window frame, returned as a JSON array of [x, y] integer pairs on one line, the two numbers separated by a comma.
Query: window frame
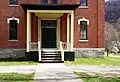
[[42, 2], [84, 6], [79, 21], [13, 4], [8, 21]]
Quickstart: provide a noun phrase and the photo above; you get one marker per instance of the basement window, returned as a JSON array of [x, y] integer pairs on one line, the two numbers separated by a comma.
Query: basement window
[[13, 2], [13, 28]]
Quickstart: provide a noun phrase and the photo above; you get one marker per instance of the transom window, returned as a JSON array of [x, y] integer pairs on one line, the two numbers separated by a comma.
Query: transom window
[[13, 2], [44, 1], [83, 3]]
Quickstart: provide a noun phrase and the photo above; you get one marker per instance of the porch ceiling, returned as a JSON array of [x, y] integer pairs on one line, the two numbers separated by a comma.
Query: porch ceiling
[[49, 6]]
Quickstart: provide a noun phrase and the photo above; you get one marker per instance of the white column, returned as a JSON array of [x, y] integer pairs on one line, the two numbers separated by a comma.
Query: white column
[[68, 33], [72, 30], [28, 31], [39, 38]]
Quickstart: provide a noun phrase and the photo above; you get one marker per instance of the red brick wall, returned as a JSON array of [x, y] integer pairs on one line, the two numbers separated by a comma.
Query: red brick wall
[[34, 28], [94, 12], [63, 28]]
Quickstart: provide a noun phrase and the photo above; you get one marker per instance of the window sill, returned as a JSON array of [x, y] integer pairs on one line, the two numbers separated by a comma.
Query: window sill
[[83, 7], [13, 5], [12, 40], [84, 41]]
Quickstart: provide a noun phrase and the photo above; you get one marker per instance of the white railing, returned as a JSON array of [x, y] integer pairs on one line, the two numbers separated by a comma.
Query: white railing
[[33, 46], [66, 46], [62, 51], [39, 50]]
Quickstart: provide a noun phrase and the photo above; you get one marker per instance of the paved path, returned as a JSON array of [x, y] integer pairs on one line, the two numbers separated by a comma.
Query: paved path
[[26, 69], [54, 72], [110, 70]]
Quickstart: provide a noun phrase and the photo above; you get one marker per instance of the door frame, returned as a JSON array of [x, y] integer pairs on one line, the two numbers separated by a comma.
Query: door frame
[[57, 31]]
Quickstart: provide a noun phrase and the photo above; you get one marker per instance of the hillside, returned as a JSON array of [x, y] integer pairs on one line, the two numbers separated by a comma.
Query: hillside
[[112, 10]]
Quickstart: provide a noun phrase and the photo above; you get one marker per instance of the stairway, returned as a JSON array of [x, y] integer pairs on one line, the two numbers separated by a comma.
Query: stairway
[[51, 56]]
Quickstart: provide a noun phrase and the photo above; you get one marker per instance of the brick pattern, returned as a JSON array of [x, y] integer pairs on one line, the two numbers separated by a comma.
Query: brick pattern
[[94, 12]]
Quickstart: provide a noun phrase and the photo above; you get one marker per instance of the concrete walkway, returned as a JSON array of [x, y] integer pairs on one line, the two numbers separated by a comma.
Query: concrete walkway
[[104, 70], [54, 72]]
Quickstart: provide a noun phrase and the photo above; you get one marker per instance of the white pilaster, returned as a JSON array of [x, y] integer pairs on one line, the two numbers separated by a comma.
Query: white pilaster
[[72, 30], [58, 33], [28, 31], [68, 32]]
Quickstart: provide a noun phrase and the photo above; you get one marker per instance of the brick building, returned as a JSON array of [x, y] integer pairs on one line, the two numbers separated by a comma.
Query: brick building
[[51, 30]]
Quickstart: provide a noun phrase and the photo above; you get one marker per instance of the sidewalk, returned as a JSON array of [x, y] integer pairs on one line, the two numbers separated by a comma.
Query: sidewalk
[[26, 69], [105, 70], [54, 72]]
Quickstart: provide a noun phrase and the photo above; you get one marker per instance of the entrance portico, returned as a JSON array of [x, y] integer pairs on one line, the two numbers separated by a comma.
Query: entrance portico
[[49, 29]]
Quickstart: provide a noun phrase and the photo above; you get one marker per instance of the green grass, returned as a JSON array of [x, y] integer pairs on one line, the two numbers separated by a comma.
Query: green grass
[[112, 61], [15, 77], [88, 78], [11, 63]]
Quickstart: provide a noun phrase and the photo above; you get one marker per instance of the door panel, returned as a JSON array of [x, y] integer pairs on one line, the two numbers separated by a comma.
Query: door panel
[[48, 37]]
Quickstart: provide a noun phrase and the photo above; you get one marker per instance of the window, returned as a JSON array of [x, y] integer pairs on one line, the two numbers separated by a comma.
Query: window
[[53, 1], [83, 24], [44, 1], [13, 30], [13, 2], [83, 3], [13, 27], [83, 30]]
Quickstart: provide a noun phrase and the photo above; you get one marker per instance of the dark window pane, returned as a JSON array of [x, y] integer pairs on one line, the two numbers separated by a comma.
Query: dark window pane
[[13, 30], [53, 1], [83, 3], [13, 2], [83, 30], [44, 1]]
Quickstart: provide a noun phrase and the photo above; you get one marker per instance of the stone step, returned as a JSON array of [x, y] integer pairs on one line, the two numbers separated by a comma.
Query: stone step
[[51, 58]]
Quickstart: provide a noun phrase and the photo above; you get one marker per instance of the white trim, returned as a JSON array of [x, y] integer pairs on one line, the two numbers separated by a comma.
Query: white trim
[[12, 5], [39, 31], [12, 40], [68, 30], [83, 40], [50, 11], [28, 31], [83, 7], [72, 30], [83, 19], [13, 18], [58, 33]]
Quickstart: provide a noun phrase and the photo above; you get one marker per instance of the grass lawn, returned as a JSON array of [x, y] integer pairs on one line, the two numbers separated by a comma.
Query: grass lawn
[[15, 77], [11, 63], [113, 61], [88, 78]]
